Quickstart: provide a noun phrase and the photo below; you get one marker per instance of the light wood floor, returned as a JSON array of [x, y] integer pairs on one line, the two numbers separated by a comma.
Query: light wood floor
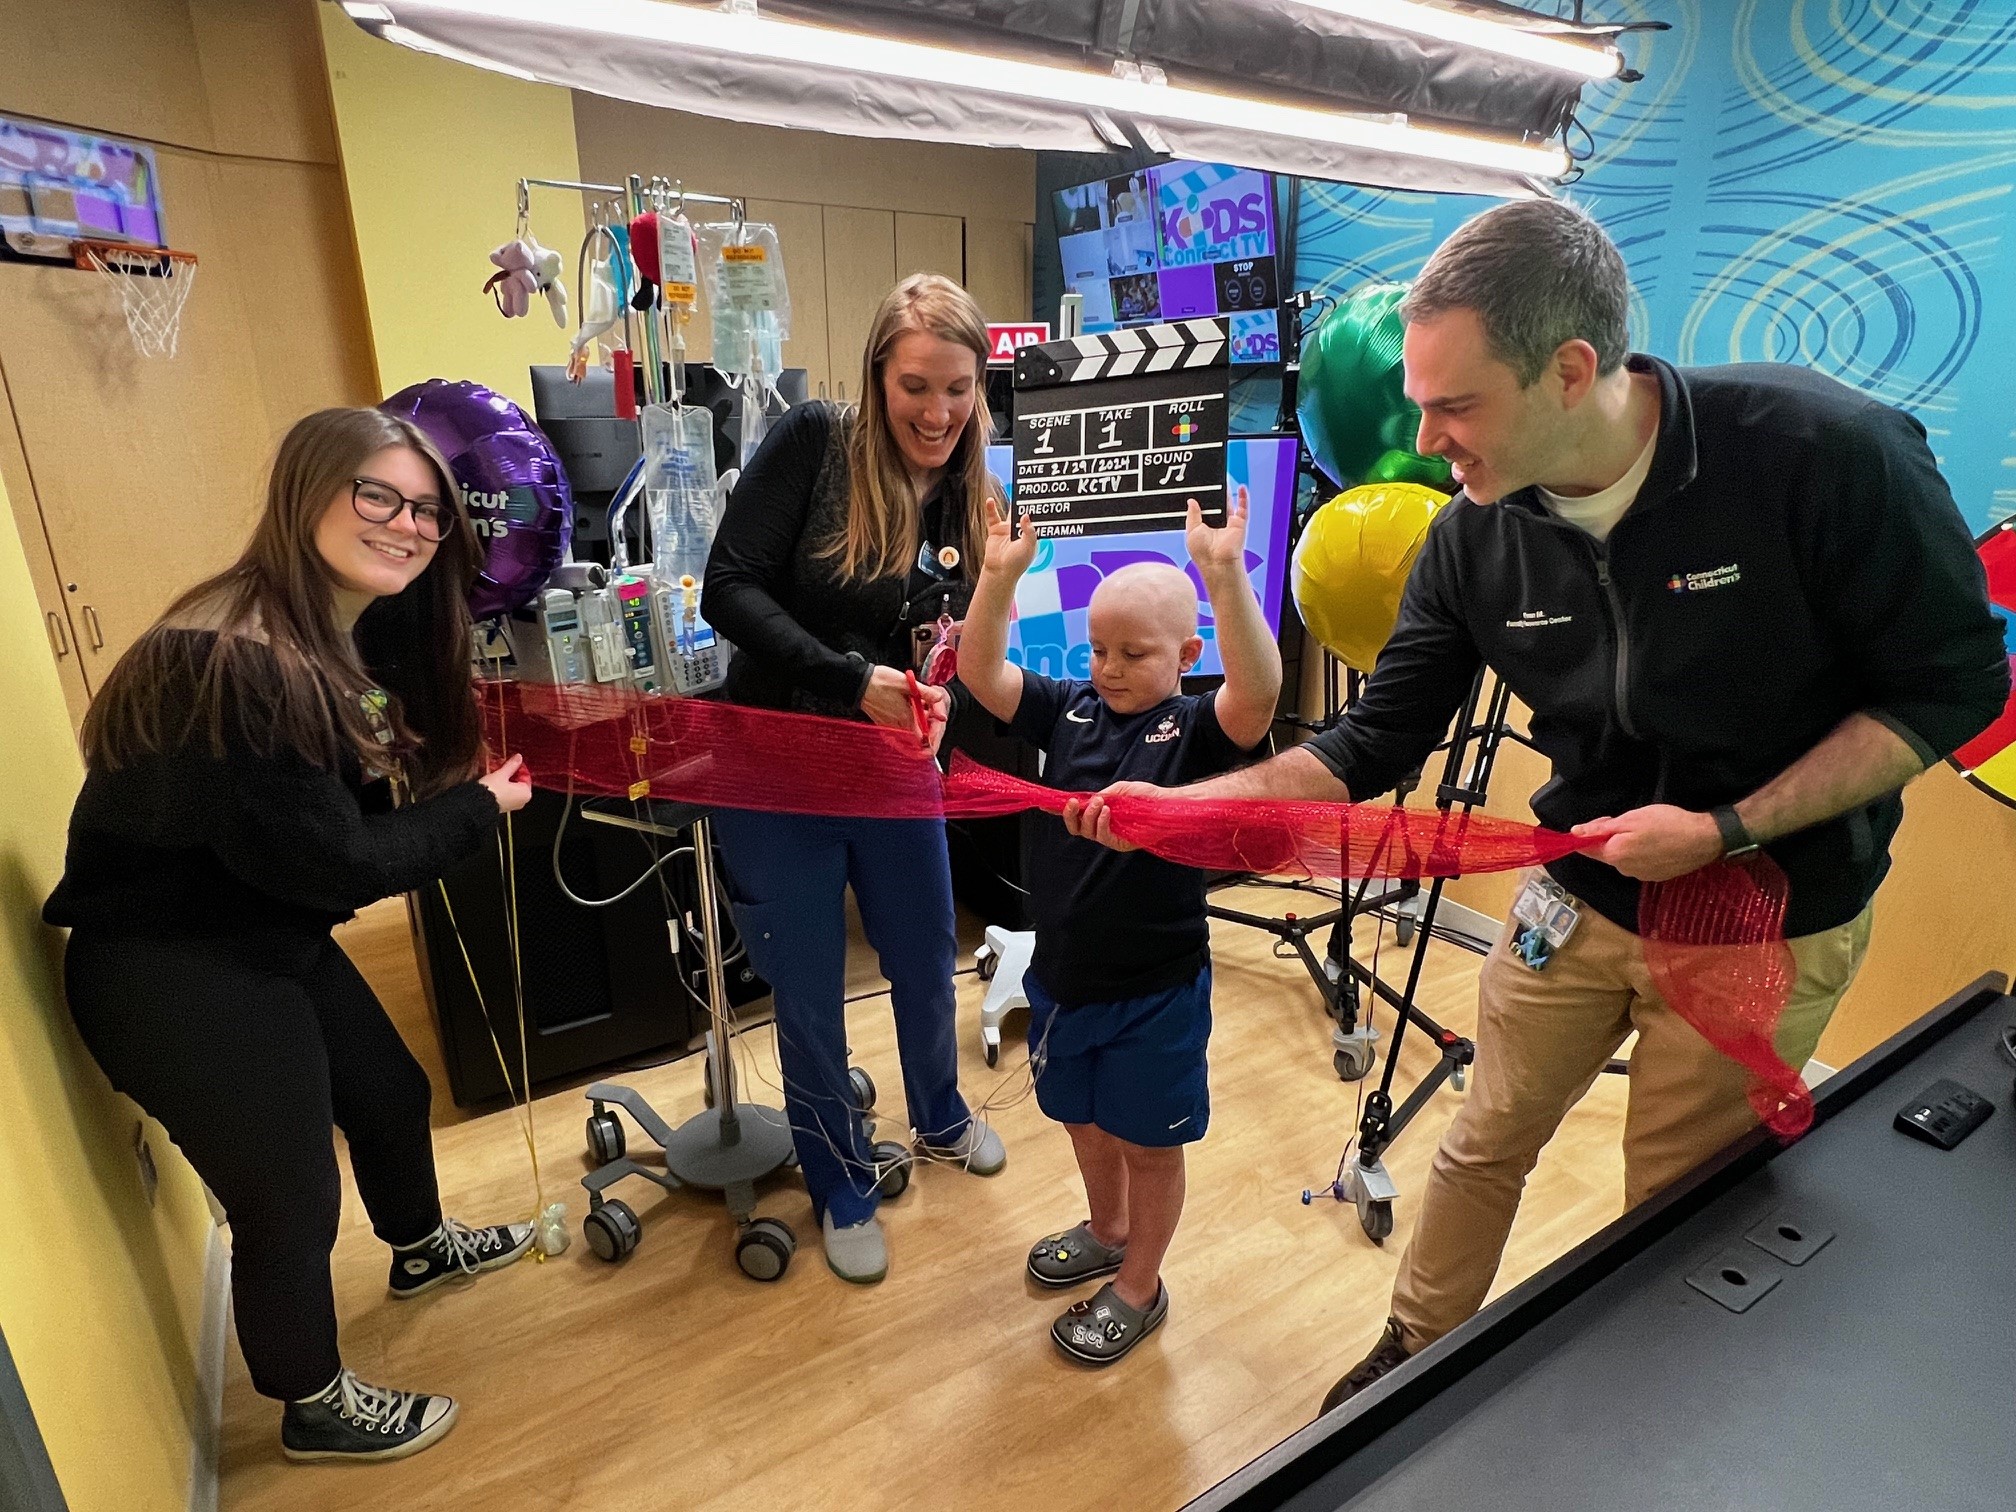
[[673, 1381]]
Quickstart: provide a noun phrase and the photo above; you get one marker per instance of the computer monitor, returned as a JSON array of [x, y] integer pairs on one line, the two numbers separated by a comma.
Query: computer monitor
[[596, 447], [1173, 241], [1048, 634]]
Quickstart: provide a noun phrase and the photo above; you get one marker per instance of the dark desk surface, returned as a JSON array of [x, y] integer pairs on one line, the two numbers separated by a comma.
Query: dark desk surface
[[1879, 1373], [654, 816]]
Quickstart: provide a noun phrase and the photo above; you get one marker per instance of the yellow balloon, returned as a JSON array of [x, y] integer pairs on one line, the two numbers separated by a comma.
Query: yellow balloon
[[1352, 563]]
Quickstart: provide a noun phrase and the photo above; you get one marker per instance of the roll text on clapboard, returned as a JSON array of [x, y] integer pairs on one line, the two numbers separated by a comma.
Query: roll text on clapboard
[[1116, 433]]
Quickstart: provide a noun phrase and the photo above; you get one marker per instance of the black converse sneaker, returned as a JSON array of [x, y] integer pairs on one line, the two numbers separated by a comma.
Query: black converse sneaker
[[350, 1420], [453, 1250]]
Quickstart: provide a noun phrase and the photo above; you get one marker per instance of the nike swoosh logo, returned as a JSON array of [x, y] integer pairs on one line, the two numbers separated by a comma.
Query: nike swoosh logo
[[1077, 718], [1180, 1122]]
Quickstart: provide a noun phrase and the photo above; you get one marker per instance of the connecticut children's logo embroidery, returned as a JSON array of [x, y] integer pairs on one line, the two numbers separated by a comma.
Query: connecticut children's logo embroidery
[[1163, 732], [1701, 582]]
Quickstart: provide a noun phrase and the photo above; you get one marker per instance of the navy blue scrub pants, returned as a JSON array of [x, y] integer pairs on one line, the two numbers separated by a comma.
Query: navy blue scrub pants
[[787, 875]]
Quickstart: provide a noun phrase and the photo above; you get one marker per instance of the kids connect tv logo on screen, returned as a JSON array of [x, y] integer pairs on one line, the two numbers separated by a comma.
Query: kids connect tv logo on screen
[[1194, 224], [1210, 213]]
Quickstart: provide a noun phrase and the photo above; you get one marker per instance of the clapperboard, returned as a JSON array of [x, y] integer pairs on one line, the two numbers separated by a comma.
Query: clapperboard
[[1118, 432]]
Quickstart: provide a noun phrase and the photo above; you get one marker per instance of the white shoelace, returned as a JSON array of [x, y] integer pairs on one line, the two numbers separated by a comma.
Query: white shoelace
[[467, 1246], [379, 1408]]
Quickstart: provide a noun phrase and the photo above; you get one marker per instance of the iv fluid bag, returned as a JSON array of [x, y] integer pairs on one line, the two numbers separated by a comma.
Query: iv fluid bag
[[748, 296], [679, 494]]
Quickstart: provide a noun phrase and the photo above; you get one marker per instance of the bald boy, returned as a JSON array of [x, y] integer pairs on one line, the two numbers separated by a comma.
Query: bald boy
[[1119, 985]]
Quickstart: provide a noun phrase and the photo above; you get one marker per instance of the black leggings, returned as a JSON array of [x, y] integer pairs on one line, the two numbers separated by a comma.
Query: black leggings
[[248, 1057]]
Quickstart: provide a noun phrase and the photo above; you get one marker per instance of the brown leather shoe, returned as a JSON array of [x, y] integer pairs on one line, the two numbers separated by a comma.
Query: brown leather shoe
[[1388, 1354]]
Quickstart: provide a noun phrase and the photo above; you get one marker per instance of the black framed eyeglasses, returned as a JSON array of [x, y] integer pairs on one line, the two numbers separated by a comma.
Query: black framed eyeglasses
[[381, 504]]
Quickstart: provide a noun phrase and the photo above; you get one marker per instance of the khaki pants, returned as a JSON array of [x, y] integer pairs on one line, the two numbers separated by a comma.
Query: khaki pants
[[1542, 1038]]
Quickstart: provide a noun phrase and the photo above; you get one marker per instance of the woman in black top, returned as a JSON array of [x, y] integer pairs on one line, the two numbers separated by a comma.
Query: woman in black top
[[237, 805], [849, 538]]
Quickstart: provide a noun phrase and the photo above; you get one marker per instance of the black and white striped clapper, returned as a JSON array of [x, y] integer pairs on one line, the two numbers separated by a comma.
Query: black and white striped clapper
[[1117, 432], [1178, 346]]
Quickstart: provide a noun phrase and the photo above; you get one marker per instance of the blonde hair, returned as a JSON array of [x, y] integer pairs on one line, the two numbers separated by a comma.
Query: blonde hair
[[880, 538]]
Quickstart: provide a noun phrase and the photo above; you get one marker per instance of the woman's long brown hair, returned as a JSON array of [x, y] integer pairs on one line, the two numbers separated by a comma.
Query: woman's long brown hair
[[881, 537], [274, 613]]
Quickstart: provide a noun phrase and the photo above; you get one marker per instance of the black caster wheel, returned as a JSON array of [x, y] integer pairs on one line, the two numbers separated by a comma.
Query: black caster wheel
[[1403, 929], [986, 963], [1377, 1220], [862, 1088], [605, 1137], [1352, 1062], [764, 1249], [612, 1229], [893, 1161], [991, 1051]]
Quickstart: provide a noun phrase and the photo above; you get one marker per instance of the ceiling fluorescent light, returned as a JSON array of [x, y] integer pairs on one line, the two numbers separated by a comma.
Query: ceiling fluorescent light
[[1479, 32], [760, 37]]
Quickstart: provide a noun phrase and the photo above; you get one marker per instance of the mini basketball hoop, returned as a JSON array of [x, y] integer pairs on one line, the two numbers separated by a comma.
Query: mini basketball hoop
[[153, 285]]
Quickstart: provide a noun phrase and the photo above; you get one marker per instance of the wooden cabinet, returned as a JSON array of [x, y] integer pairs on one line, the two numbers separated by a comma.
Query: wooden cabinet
[[131, 478]]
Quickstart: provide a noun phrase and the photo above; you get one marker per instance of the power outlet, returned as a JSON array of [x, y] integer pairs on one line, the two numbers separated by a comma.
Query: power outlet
[[150, 1178]]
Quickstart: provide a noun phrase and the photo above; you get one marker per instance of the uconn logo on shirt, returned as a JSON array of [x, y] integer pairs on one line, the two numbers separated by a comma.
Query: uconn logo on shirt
[[1163, 733]]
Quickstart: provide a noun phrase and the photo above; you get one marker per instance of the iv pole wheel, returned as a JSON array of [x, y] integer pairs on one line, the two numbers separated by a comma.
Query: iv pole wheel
[[862, 1086], [991, 1051], [606, 1141], [612, 1229], [764, 1249], [892, 1160]]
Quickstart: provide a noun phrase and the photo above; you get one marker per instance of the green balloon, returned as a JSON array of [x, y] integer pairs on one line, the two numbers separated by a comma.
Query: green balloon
[[1412, 467], [1350, 402]]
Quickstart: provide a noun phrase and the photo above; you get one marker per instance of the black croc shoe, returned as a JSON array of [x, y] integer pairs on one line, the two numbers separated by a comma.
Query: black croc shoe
[[1070, 1257], [1102, 1328]]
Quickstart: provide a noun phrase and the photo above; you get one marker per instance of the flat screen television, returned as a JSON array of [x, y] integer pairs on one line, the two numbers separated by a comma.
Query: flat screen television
[[1048, 633], [1180, 239]]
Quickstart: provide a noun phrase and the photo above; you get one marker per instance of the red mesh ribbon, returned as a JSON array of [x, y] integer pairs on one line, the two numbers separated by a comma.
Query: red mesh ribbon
[[1714, 940], [1715, 944]]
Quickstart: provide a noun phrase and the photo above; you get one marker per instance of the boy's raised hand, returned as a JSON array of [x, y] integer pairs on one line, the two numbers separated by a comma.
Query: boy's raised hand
[[1007, 553], [1222, 548]]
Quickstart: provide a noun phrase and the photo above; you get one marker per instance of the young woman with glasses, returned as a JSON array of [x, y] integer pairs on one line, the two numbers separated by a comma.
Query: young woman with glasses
[[243, 761]]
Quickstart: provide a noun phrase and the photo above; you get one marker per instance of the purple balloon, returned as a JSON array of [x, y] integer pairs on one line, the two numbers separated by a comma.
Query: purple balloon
[[514, 487]]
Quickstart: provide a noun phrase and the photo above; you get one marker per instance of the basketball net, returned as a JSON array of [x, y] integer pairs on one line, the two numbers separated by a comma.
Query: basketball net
[[153, 285]]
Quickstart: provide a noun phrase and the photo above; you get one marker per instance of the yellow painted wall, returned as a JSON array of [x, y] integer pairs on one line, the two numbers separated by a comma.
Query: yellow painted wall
[[432, 152], [100, 1297]]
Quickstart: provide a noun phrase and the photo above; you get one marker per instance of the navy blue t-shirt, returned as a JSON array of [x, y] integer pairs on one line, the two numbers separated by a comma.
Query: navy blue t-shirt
[[1115, 924]]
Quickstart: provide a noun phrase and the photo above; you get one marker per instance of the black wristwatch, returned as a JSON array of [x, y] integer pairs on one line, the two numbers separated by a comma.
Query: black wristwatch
[[1736, 839]]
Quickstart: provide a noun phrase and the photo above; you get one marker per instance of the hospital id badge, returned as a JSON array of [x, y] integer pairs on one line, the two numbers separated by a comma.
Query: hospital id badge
[[1543, 917]]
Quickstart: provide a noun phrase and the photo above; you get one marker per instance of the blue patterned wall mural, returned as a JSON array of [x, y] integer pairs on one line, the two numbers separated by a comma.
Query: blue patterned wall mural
[[1826, 182]]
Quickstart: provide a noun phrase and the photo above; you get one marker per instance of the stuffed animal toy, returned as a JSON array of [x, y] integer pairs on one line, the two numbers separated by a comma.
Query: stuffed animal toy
[[525, 268]]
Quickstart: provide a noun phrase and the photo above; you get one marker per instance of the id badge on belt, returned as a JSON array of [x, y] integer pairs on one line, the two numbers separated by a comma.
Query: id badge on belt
[[1543, 917]]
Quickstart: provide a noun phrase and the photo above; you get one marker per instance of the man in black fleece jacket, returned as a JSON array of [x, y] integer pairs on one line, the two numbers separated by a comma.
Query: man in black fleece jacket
[[1744, 612]]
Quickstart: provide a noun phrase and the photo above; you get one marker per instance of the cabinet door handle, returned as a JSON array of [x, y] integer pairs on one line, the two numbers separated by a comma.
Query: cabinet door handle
[[59, 633], [91, 624]]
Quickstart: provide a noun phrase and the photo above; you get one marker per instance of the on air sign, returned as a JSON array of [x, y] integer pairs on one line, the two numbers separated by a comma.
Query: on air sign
[[1004, 341]]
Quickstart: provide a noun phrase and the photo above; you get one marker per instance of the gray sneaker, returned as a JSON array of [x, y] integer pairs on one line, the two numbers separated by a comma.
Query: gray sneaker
[[979, 1150], [857, 1253]]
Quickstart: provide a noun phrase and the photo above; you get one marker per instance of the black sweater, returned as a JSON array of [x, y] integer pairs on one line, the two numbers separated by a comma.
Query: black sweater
[[1794, 557], [271, 848], [805, 637]]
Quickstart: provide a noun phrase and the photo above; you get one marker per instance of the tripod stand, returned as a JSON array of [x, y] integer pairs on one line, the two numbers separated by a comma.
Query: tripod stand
[[1341, 979]]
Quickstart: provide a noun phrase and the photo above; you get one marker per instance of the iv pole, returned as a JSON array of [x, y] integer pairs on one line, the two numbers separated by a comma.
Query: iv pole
[[730, 1145]]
